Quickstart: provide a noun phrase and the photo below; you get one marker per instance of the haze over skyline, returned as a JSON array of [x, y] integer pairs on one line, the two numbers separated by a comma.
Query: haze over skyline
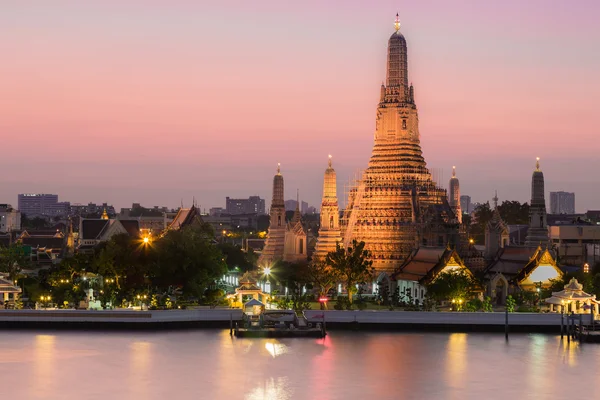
[[140, 101]]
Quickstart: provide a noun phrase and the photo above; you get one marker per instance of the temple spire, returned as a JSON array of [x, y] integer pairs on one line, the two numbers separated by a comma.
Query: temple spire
[[330, 161], [278, 168], [454, 171], [397, 23], [537, 164], [495, 198]]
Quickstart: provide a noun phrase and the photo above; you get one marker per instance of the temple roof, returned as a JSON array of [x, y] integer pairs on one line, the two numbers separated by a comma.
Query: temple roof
[[92, 228], [185, 216], [6, 286], [419, 263]]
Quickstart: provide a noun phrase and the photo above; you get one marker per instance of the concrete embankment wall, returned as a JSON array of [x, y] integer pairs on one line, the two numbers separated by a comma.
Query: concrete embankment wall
[[444, 321], [118, 319], [221, 318]]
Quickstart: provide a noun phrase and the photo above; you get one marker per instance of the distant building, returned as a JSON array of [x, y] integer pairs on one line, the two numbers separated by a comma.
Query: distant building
[[217, 211], [251, 205], [574, 241], [92, 232], [10, 219], [92, 209], [42, 205], [562, 203], [465, 204]]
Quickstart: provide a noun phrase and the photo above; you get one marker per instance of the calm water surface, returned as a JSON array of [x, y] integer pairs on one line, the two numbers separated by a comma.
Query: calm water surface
[[208, 364]]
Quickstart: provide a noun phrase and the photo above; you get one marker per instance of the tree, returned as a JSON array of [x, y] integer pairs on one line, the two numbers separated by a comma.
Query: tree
[[188, 259], [13, 259], [324, 277], [482, 215], [514, 212], [236, 257], [352, 265], [454, 285]]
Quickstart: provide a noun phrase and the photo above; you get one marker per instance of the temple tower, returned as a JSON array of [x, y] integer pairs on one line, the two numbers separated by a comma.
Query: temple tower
[[274, 245], [396, 206], [537, 234], [295, 248], [454, 196], [329, 231], [496, 232]]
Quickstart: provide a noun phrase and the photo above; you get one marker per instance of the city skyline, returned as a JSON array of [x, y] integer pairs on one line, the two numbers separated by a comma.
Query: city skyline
[[192, 101]]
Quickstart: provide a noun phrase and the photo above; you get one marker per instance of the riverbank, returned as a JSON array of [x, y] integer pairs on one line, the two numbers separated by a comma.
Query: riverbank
[[224, 318]]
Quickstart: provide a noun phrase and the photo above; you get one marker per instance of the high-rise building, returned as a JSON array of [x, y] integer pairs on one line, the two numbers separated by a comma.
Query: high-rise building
[[562, 203], [454, 196], [396, 206], [251, 205], [465, 204], [329, 231], [42, 205], [537, 234]]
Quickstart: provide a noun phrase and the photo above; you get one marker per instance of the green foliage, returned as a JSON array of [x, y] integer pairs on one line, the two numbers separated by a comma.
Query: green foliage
[[487, 304], [186, 258], [512, 212], [453, 285], [323, 276], [352, 265], [473, 305], [342, 303], [510, 303], [298, 303], [13, 259], [235, 257]]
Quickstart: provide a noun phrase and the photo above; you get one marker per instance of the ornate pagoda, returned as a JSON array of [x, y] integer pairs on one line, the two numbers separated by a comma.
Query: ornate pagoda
[[396, 206]]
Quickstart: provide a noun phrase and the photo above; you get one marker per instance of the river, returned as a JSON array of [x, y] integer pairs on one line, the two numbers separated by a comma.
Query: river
[[209, 364]]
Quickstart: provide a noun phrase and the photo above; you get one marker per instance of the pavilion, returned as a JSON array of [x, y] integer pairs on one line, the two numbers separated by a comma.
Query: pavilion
[[248, 287], [573, 299], [7, 289]]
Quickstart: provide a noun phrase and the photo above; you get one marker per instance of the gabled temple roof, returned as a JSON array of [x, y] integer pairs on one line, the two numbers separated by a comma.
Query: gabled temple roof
[[419, 263], [92, 229], [6, 286], [426, 263], [519, 262], [132, 227], [55, 243], [541, 257], [184, 217]]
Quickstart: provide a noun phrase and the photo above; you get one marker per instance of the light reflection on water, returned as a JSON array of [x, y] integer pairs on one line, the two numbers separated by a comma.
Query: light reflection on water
[[344, 365]]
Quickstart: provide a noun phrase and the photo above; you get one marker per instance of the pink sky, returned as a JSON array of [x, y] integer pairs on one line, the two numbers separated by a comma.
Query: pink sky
[[157, 101]]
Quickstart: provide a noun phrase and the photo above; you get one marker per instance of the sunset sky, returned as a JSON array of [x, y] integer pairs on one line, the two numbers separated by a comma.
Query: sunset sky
[[156, 102]]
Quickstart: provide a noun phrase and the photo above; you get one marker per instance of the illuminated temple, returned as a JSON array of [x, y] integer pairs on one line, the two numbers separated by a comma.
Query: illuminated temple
[[395, 206]]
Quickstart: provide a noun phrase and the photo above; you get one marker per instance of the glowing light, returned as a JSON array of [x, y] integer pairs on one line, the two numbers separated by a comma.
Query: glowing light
[[146, 240], [267, 270]]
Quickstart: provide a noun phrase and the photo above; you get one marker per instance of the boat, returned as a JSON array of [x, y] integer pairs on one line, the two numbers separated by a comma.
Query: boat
[[277, 324]]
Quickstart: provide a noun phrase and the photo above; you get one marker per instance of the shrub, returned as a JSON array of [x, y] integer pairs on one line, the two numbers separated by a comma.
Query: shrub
[[510, 304], [342, 303], [487, 304]]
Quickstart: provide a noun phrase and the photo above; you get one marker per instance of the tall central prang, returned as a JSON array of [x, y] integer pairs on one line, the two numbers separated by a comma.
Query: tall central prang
[[396, 207]]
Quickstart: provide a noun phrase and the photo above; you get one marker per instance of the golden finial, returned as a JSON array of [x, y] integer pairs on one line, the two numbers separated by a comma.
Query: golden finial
[[537, 163], [104, 214], [330, 161], [397, 23], [278, 168], [454, 171]]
